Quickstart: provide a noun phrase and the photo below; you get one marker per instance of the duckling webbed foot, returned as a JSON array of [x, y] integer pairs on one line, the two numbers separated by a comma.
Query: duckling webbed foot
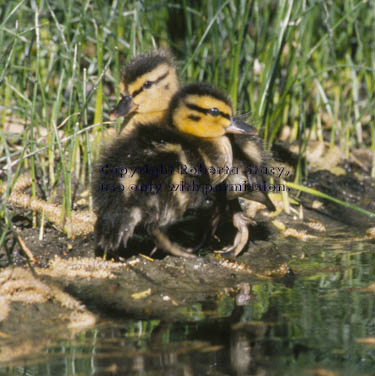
[[240, 222], [162, 241]]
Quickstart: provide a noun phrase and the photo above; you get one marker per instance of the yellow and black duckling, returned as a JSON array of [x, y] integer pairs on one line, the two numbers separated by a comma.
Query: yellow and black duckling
[[150, 178], [150, 80]]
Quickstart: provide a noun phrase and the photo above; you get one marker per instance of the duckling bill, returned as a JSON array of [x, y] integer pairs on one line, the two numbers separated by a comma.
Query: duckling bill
[[199, 117], [125, 106]]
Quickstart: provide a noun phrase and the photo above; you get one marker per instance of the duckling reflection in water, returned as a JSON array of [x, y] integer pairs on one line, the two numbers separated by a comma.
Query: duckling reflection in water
[[198, 119], [150, 80]]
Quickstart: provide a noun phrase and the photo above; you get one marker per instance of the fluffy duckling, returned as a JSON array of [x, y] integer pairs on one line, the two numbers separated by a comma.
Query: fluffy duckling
[[150, 80], [149, 178]]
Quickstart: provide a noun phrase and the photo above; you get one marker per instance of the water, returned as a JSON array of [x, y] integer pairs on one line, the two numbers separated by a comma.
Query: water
[[322, 323]]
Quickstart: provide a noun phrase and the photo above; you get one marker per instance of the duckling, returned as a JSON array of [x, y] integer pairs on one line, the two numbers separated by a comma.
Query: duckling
[[150, 80], [129, 189]]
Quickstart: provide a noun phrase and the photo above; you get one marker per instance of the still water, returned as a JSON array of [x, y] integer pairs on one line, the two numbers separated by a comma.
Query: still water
[[321, 322]]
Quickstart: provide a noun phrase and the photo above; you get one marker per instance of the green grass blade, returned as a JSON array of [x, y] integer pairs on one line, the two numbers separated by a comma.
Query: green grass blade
[[319, 194]]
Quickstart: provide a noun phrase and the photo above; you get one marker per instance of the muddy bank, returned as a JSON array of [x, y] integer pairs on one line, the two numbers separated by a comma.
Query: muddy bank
[[63, 288]]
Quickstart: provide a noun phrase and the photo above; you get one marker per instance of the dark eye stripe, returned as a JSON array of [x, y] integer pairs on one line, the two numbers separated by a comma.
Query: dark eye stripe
[[196, 108], [135, 93], [194, 117], [205, 111]]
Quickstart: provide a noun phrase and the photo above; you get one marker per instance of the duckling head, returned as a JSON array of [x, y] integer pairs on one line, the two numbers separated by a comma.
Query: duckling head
[[202, 111], [149, 82]]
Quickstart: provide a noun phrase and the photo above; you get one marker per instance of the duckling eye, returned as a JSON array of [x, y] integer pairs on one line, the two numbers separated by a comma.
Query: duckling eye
[[147, 85], [214, 111]]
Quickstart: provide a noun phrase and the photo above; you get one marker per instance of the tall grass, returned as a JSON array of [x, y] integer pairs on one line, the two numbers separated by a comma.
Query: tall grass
[[305, 65]]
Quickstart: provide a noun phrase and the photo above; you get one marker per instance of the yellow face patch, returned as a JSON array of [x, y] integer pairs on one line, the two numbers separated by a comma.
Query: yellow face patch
[[157, 96], [160, 70], [192, 116]]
